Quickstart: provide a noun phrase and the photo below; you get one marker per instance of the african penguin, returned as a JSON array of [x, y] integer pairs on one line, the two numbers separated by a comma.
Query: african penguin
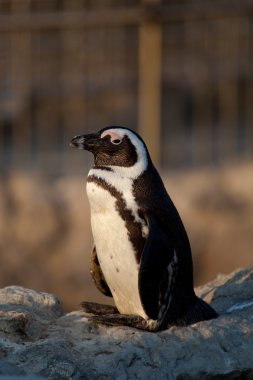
[[141, 255]]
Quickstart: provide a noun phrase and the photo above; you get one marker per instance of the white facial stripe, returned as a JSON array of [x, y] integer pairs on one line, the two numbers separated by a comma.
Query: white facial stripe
[[112, 134], [142, 160]]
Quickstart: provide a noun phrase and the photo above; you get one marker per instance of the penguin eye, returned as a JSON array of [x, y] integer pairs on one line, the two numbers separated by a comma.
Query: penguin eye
[[116, 141]]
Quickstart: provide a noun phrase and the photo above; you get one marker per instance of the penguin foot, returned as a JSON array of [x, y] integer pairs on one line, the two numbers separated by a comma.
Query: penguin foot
[[98, 308], [120, 320]]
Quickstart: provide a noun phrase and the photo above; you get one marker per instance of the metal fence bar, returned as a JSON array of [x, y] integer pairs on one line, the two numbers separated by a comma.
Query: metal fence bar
[[149, 102], [116, 17]]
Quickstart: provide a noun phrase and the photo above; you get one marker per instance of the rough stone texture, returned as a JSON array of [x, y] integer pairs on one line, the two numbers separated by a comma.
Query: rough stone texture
[[37, 340]]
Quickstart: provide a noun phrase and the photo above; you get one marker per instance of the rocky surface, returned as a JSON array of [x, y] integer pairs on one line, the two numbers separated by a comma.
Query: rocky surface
[[37, 340]]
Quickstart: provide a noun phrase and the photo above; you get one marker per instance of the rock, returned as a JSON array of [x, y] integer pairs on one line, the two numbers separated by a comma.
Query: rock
[[38, 339], [9, 369], [25, 313]]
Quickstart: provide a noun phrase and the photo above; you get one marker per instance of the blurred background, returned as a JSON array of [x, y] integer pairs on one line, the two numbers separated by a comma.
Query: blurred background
[[178, 72]]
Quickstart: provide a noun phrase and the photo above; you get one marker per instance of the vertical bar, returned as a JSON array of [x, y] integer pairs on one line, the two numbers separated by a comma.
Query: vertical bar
[[188, 125], [34, 126], [241, 116], [20, 67], [173, 95], [228, 95], [215, 123], [248, 33], [149, 107], [201, 101], [73, 74], [7, 135], [4, 98], [241, 69], [188, 85]]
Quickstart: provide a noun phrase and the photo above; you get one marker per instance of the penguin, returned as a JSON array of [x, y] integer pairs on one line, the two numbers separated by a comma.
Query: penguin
[[141, 255]]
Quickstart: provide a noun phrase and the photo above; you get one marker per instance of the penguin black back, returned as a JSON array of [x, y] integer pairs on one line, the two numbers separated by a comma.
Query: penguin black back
[[141, 254]]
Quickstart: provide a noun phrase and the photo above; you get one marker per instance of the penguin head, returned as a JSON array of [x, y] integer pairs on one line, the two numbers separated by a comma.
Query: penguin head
[[114, 146]]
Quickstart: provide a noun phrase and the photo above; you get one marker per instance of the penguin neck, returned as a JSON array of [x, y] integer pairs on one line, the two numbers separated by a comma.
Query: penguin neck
[[120, 178], [130, 172]]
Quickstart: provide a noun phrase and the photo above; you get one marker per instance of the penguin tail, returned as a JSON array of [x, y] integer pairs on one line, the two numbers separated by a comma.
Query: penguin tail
[[198, 311]]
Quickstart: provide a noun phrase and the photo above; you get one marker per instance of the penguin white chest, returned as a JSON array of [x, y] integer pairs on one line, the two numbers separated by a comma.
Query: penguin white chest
[[115, 251]]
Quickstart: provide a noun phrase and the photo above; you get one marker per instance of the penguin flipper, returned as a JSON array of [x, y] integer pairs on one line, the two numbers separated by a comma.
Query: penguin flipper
[[157, 254], [157, 274], [97, 274]]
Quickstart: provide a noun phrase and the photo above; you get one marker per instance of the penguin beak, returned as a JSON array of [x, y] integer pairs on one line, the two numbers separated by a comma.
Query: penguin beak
[[86, 142]]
